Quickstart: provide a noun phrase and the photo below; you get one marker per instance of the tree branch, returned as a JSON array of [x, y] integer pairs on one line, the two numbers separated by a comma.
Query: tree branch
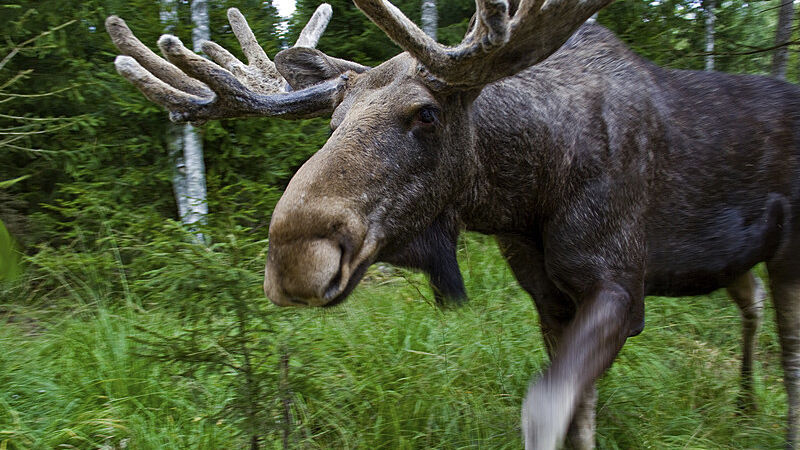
[[749, 52]]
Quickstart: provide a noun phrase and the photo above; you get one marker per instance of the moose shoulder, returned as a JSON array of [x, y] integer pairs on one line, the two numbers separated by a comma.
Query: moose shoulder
[[604, 177]]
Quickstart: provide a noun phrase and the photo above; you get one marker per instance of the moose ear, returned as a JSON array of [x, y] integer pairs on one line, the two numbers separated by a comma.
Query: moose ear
[[303, 67]]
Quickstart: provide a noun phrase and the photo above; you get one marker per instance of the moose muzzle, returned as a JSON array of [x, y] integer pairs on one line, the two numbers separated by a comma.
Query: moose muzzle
[[318, 251]]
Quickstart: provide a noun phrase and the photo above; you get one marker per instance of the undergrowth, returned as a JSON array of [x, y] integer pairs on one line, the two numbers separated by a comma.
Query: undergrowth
[[385, 370]]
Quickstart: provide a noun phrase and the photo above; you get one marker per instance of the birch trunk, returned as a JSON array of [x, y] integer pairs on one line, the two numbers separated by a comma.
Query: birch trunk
[[169, 19], [430, 18], [783, 33], [175, 151], [192, 141], [709, 6]]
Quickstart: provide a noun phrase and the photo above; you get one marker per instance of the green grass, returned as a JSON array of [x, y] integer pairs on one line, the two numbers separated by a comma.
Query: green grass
[[77, 383], [386, 370]]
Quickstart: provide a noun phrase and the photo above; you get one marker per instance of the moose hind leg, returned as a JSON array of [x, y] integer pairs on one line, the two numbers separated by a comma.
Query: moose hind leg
[[748, 293], [785, 285]]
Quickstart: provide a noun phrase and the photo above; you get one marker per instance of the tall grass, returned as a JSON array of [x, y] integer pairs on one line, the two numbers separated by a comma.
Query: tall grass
[[386, 370], [78, 383]]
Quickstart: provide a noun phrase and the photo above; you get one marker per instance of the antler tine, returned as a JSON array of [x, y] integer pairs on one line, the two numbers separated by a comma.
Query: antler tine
[[313, 30], [494, 16], [195, 89], [498, 45], [220, 81], [152, 87], [128, 44], [402, 30], [252, 51]]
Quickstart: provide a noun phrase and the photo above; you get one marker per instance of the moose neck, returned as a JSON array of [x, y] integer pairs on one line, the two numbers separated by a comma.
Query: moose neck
[[542, 134], [519, 156]]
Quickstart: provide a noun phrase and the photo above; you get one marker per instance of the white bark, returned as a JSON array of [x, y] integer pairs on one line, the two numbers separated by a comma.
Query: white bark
[[169, 19], [169, 15], [192, 141], [200, 30], [709, 6], [175, 151], [195, 176], [184, 143], [430, 18], [783, 33]]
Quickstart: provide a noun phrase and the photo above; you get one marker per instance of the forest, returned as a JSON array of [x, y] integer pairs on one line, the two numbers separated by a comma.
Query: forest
[[132, 313]]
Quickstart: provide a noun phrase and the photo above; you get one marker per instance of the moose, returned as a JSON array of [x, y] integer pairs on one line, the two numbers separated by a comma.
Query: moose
[[604, 178]]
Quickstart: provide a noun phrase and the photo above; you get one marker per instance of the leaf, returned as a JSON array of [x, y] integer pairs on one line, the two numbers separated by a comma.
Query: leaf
[[9, 183], [9, 258]]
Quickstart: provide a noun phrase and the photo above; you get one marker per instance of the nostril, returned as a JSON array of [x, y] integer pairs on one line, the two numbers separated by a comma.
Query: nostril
[[315, 270], [334, 287]]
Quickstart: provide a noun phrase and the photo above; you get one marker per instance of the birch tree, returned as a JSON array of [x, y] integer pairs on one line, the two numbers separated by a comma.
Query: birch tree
[[184, 143], [430, 18], [192, 141], [710, 18], [783, 34], [169, 19]]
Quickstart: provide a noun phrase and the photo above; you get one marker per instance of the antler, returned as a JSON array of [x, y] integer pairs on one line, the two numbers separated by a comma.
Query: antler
[[194, 89], [502, 39]]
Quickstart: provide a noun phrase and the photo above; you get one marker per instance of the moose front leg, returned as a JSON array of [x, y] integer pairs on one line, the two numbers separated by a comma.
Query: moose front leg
[[556, 311], [586, 349], [580, 435]]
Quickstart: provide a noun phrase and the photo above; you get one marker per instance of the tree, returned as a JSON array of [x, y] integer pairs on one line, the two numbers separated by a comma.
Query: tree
[[429, 18], [193, 143], [175, 132], [710, 19], [783, 35], [184, 141]]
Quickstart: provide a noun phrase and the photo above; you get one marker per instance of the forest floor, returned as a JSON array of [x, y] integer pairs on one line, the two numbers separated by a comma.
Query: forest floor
[[385, 370]]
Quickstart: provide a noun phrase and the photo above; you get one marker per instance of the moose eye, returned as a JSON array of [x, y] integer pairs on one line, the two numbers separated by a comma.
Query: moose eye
[[426, 116]]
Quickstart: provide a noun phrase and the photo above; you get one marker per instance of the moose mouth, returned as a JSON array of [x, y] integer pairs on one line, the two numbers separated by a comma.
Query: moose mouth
[[355, 278], [432, 251], [362, 259]]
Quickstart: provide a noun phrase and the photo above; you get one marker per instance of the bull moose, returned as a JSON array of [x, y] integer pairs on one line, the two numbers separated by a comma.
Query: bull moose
[[604, 177]]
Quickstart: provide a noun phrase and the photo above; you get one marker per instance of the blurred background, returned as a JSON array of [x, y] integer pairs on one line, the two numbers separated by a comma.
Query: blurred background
[[132, 251]]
